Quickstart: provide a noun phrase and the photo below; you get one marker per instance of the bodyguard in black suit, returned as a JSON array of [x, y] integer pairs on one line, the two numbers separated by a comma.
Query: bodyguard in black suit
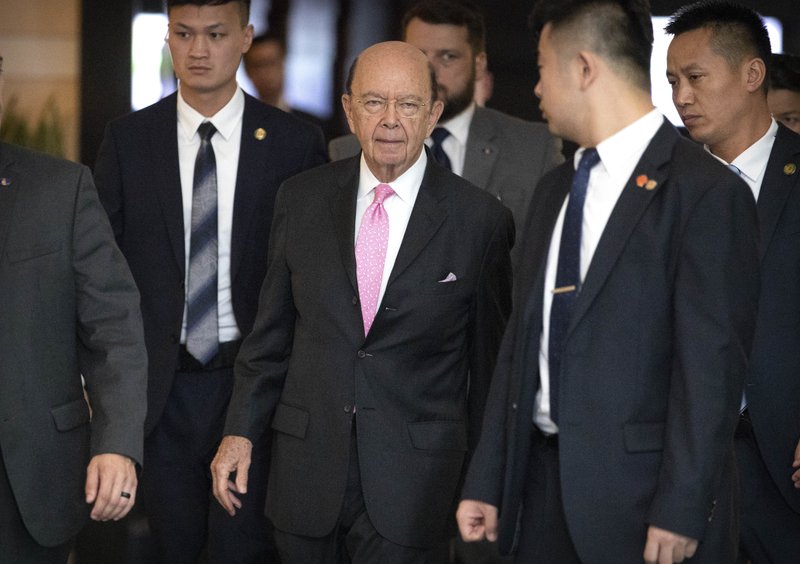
[[145, 173], [623, 450], [74, 367], [731, 116], [372, 417]]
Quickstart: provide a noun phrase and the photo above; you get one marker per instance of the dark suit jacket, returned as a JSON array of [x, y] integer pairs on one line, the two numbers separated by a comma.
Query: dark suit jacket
[[773, 382], [506, 156], [418, 381], [69, 307], [138, 177], [653, 366]]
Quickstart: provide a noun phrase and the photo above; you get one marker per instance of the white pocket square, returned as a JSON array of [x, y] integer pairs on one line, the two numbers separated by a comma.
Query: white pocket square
[[449, 278]]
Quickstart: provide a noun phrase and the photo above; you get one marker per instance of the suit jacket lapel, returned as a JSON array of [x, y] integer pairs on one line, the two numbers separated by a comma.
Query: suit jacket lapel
[[481, 153], [426, 218], [629, 208], [777, 184], [343, 209], [164, 140], [249, 180], [9, 184]]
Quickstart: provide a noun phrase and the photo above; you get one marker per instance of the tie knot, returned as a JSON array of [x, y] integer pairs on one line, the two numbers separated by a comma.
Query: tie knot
[[206, 130], [589, 158], [439, 134], [382, 191]]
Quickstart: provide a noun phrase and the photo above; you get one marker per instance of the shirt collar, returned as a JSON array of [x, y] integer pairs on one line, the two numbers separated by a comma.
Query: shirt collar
[[620, 153], [406, 186], [753, 161], [458, 125], [225, 120]]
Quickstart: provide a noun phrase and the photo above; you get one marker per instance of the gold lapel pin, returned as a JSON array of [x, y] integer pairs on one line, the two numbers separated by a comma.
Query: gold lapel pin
[[650, 184], [5, 182], [260, 134], [789, 169]]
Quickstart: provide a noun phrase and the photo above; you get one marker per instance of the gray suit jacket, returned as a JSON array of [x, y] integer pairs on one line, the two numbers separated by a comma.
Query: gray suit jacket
[[69, 308], [506, 156]]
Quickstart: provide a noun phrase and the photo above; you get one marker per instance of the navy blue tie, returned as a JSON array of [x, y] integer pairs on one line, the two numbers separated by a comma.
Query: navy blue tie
[[439, 135], [568, 274], [202, 331]]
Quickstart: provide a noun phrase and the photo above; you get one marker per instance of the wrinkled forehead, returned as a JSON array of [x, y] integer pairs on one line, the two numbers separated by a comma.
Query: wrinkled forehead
[[392, 74]]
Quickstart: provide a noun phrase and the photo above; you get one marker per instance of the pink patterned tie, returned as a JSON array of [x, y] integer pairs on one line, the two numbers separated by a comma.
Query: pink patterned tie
[[373, 238]]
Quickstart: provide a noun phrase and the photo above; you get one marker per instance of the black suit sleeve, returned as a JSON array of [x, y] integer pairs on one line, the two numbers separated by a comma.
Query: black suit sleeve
[[492, 306], [263, 360], [714, 302], [109, 182]]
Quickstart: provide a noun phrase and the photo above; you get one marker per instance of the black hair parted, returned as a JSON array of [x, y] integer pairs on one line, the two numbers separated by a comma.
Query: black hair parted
[[461, 13], [785, 72]]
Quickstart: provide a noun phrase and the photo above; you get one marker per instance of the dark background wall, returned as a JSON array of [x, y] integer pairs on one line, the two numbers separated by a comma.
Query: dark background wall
[[106, 59]]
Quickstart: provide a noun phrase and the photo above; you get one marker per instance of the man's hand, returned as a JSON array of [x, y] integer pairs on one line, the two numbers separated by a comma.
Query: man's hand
[[796, 465], [477, 520], [110, 486], [233, 455], [664, 547]]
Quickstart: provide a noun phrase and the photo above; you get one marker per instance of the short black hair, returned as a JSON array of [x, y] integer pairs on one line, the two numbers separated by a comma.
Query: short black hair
[[453, 12], [736, 31], [244, 6], [351, 74], [785, 72], [620, 30], [269, 37]]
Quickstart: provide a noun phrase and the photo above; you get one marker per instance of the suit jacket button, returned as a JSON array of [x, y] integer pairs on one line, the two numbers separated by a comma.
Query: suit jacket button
[[355, 300], [361, 354], [173, 338], [514, 406], [348, 409]]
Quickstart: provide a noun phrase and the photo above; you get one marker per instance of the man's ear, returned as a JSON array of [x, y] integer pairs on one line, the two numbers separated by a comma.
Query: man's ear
[[755, 72], [481, 65], [347, 105], [587, 66]]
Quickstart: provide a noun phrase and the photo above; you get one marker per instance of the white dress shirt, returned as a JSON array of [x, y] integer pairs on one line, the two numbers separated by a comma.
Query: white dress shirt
[[752, 163], [455, 146], [619, 156], [398, 208], [226, 143]]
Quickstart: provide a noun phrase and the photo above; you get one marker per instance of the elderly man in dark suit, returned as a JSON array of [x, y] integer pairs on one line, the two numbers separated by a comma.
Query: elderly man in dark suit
[[724, 42], [504, 155], [189, 184], [608, 434], [69, 308], [379, 322]]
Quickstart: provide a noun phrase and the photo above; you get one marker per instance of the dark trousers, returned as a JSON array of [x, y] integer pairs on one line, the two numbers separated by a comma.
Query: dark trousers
[[17, 546], [185, 520], [354, 539], [544, 536], [769, 529]]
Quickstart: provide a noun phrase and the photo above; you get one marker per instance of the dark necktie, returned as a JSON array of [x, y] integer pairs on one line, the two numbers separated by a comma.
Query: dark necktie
[[439, 135], [202, 332], [568, 273]]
